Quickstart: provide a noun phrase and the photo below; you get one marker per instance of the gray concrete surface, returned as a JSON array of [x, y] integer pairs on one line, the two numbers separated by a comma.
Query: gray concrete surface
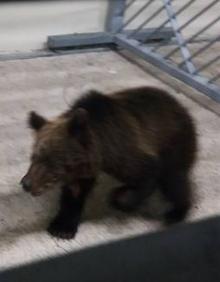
[[49, 85]]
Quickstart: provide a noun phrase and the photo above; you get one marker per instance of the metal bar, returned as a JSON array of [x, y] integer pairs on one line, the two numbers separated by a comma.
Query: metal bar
[[213, 41], [203, 67], [198, 14], [135, 15], [214, 78], [183, 48], [203, 39], [165, 34], [129, 4], [115, 15], [147, 21], [194, 36], [144, 52], [83, 40], [178, 12]]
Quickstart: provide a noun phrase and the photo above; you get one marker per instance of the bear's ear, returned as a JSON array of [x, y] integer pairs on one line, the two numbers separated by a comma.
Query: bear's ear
[[78, 126], [36, 121]]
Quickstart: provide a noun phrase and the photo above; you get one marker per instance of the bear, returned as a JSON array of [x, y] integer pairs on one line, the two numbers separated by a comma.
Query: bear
[[141, 136]]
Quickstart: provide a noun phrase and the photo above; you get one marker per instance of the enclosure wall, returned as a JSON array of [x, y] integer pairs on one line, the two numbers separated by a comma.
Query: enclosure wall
[[25, 25]]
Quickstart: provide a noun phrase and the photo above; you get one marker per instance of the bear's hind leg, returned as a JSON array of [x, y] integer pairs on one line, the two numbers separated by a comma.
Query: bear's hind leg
[[176, 187], [138, 186], [129, 198]]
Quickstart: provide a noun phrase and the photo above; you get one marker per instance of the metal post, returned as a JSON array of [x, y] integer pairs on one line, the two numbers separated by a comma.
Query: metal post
[[183, 48], [115, 15]]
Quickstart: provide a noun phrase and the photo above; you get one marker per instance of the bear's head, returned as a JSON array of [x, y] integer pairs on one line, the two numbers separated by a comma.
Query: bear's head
[[63, 152]]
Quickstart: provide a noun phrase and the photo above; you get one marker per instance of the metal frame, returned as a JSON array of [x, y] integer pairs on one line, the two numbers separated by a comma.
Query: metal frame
[[137, 40]]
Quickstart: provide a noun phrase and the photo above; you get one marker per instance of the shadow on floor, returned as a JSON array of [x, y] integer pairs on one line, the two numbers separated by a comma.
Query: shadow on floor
[[21, 214]]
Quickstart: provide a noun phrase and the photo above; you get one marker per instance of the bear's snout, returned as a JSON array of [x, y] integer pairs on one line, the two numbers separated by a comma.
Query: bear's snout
[[26, 183]]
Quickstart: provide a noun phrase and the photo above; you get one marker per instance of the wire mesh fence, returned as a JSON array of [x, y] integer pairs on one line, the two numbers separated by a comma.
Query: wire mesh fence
[[193, 52]]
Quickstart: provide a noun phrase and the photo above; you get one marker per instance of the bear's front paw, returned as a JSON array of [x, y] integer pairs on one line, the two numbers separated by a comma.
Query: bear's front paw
[[174, 216], [60, 228]]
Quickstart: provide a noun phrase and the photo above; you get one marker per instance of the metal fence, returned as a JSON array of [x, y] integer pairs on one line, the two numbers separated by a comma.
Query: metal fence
[[180, 37]]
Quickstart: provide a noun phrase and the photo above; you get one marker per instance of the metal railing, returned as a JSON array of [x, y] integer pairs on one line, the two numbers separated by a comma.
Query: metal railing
[[184, 40]]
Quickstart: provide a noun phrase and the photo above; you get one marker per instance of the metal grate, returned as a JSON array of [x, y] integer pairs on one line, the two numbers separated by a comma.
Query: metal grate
[[180, 37]]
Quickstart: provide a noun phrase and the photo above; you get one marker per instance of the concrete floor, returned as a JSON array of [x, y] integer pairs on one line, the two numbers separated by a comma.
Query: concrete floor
[[48, 85]]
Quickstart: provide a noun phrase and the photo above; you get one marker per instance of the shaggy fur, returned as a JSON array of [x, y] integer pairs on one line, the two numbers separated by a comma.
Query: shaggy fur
[[141, 136]]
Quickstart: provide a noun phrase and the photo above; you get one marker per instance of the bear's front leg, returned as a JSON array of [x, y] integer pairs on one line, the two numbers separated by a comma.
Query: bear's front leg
[[72, 201]]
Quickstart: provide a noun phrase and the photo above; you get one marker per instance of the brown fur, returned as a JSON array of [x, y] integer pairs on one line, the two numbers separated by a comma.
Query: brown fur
[[141, 136]]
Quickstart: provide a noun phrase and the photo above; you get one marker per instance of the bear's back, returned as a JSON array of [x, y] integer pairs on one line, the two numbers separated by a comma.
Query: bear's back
[[133, 123]]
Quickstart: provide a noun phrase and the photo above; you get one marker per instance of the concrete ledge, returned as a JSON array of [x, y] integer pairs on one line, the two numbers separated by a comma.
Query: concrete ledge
[[188, 253], [81, 40]]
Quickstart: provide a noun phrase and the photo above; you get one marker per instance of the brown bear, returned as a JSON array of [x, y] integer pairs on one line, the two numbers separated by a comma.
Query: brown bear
[[143, 137]]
